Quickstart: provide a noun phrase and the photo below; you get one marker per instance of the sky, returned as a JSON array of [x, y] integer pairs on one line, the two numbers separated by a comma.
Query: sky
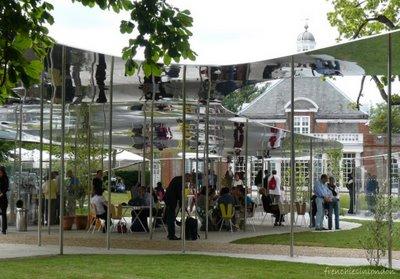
[[224, 32]]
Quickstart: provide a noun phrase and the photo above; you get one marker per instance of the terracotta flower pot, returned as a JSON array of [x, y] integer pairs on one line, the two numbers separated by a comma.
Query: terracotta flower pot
[[81, 222], [68, 222]]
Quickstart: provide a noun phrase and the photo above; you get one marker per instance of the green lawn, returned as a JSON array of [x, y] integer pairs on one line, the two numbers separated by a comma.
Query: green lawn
[[118, 198], [174, 266], [340, 239]]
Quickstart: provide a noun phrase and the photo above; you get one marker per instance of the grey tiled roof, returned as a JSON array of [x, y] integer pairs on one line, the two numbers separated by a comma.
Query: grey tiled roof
[[331, 102]]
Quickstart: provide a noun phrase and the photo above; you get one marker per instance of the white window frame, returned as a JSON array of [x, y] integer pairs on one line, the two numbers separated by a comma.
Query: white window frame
[[302, 128]]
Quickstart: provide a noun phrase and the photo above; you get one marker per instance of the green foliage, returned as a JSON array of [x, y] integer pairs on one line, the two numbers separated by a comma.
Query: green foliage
[[363, 18], [334, 162], [246, 94], [354, 19], [131, 177], [76, 148], [5, 147], [23, 42], [378, 119], [375, 242], [163, 32]]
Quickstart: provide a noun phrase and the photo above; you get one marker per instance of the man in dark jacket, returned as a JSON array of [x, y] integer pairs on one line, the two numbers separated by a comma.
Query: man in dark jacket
[[173, 198]]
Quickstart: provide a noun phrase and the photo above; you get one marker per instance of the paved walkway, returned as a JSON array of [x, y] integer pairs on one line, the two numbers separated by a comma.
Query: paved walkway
[[22, 250], [80, 242]]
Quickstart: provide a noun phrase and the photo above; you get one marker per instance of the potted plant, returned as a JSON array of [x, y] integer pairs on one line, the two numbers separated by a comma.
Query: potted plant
[[68, 221]]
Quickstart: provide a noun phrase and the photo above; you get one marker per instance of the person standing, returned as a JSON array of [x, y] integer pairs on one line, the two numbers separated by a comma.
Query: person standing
[[322, 195], [4, 187], [98, 182], [72, 187], [274, 187], [50, 195], [350, 187], [371, 190], [334, 205], [100, 205], [173, 199]]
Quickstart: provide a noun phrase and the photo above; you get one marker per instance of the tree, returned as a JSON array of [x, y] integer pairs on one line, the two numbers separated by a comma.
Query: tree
[[162, 32], [378, 119], [358, 18], [234, 101]]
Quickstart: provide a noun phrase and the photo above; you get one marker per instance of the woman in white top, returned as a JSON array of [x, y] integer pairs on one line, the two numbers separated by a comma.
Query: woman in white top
[[100, 205], [274, 187], [237, 182]]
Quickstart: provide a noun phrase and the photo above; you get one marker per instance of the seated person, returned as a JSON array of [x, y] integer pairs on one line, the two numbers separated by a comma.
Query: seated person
[[160, 192], [225, 198], [201, 208], [135, 190], [120, 187], [100, 204], [271, 208], [250, 204], [143, 198]]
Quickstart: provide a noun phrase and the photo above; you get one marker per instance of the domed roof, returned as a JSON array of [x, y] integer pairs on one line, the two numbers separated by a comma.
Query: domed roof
[[306, 36]]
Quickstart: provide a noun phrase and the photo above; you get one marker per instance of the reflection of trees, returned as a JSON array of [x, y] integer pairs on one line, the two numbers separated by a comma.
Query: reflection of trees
[[235, 100]]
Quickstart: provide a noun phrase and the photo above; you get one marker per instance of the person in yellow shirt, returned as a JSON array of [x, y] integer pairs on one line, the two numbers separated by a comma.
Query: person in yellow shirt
[[49, 189]]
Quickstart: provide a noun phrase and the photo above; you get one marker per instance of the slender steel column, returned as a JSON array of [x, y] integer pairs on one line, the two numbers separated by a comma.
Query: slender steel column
[[144, 132], [110, 120], [206, 150], [197, 146], [103, 136], [151, 137], [62, 171], [183, 220], [292, 157], [311, 177], [389, 149], [41, 163], [54, 87], [246, 170], [21, 111], [89, 144]]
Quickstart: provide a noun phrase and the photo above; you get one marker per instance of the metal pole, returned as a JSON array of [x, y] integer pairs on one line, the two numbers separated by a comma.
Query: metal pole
[[51, 142], [151, 136], [206, 182], [62, 171], [41, 163], [144, 131], [89, 143], [292, 157], [103, 136], [389, 150], [311, 177], [110, 120], [20, 144], [183, 219], [197, 146], [246, 155]]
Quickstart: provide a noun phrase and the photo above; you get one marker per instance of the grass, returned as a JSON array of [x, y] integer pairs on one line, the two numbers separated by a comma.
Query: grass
[[118, 198], [339, 239], [173, 266]]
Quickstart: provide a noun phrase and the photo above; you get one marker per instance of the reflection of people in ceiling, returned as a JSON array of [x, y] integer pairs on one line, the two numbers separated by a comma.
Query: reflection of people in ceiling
[[77, 60], [274, 141], [100, 78], [54, 68]]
